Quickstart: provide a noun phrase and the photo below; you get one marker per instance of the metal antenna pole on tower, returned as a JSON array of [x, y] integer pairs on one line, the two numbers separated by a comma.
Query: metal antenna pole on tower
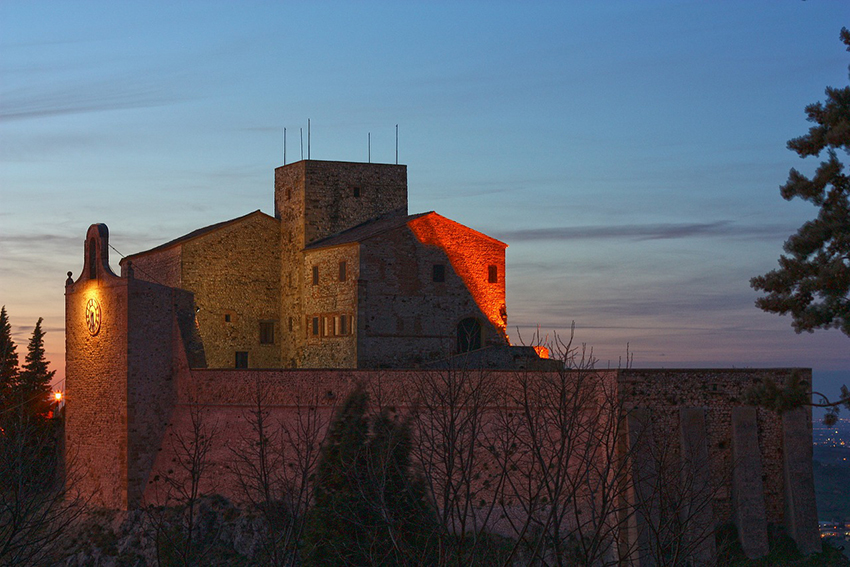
[[301, 132], [308, 138], [370, 147], [284, 146], [396, 144]]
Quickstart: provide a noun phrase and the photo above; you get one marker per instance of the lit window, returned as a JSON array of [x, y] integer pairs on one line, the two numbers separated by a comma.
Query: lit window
[[266, 332], [342, 325], [315, 275], [439, 273], [342, 270], [241, 359], [493, 274]]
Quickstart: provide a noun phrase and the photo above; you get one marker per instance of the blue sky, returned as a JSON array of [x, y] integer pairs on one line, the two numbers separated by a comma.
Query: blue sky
[[630, 153]]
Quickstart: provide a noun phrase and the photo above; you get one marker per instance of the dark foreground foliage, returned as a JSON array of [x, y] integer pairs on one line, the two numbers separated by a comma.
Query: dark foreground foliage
[[783, 551]]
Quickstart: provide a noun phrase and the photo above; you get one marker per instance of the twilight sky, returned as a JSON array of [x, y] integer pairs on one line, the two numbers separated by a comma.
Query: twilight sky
[[630, 153]]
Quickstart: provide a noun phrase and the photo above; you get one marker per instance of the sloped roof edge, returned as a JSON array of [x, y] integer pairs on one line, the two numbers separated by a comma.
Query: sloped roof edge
[[195, 234], [373, 228]]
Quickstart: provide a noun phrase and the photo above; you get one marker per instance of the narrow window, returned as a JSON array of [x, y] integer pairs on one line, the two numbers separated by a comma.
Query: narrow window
[[355, 191], [288, 193], [342, 269], [343, 325], [439, 273], [315, 326], [493, 274], [291, 324], [227, 317], [327, 326], [92, 260], [266, 332], [315, 275], [468, 335], [241, 359]]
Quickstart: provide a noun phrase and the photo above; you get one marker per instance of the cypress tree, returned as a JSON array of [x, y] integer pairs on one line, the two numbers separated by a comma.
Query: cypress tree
[[368, 509], [33, 384], [8, 361], [335, 532]]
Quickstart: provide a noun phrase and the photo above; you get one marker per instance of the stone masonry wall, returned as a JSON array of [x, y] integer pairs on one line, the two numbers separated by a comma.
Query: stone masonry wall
[[335, 344], [227, 395], [315, 199], [234, 273], [473, 255], [151, 392], [342, 195], [405, 318], [164, 267], [96, 381], [663, 392], [289, 210]]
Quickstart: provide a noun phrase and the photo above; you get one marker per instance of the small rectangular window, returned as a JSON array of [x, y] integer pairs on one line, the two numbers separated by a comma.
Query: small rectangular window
[[439, 273], [92, 260], [241, 359], [315, 275], [355, 191], [227, 317], [327, 326], [493, 274], [342, 270], [266, 332], [341, 325], [315, 326], [291, 324]]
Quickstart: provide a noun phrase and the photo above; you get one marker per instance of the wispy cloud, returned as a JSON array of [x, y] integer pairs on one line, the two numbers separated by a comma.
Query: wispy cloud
[[114, 94], [657, 231]]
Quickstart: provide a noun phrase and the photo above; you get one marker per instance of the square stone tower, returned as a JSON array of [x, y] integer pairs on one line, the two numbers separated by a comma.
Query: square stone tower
[[316, 199]]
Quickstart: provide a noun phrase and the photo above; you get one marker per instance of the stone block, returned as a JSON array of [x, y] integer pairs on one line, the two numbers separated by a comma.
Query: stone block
[[801, 515]]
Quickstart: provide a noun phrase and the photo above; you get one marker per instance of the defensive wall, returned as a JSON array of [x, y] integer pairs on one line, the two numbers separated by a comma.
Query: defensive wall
[[133, 383]]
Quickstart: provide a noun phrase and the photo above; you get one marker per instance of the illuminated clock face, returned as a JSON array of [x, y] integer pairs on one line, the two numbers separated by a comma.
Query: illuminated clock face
[[93, 316]]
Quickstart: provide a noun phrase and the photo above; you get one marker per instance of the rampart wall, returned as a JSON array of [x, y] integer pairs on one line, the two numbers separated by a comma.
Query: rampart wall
[[226, 398]]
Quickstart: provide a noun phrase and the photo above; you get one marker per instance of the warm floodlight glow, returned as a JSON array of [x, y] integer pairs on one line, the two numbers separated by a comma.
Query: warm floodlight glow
[[542, 351], [93, 316], [470, 254], [57, 396]]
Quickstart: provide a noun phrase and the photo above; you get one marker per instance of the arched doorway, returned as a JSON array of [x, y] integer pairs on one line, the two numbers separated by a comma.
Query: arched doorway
[[468, 335]]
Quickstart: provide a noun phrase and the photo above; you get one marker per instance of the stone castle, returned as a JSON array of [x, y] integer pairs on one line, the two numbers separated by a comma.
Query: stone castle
[[341, 287], [341, 277]]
